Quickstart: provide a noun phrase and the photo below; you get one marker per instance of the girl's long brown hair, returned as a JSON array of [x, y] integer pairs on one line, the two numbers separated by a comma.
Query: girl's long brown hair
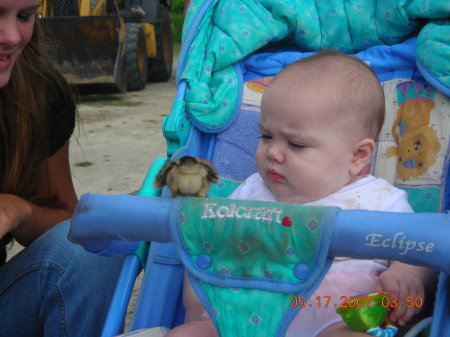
[[24, 104]]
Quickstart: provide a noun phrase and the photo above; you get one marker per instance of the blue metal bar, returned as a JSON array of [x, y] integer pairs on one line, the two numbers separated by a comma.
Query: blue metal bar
[[415, 238], [163, 272], [441, 312], [119, 304], [181, 91], [193, 27]]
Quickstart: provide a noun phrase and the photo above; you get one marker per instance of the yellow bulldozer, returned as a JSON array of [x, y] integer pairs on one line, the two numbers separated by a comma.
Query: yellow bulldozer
[[104, 43]]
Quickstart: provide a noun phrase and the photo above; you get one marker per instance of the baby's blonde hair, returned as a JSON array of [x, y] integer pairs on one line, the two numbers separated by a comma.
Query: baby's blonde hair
[[361, 92]]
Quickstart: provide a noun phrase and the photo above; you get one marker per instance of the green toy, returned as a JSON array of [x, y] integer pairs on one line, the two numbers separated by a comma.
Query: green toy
[[368, 312]]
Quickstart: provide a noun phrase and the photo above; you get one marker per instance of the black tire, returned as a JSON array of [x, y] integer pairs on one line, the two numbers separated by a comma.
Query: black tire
[[136, 50], [110, 7], [160, 67], [65, 7]]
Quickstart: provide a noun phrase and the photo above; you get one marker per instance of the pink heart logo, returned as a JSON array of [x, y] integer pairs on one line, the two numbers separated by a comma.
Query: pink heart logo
[[286, 222]]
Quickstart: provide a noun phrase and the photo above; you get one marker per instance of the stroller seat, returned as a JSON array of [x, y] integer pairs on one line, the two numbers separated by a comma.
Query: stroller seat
[[225, 66]]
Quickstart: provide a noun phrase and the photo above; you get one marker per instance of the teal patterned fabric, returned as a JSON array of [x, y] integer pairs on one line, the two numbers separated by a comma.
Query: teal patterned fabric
[[433, 52], [217, 34], [247, 259]]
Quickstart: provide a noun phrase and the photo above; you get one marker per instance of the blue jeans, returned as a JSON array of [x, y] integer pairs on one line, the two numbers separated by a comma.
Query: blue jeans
[[55, 288]]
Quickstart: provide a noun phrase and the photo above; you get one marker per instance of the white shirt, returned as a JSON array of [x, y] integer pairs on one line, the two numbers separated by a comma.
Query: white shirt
[[368, 193]]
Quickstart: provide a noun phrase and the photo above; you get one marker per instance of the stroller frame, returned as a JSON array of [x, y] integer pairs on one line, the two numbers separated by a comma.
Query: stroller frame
[[187, 136]]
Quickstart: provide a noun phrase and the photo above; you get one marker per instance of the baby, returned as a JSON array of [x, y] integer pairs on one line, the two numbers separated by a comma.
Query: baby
[[320, 117]]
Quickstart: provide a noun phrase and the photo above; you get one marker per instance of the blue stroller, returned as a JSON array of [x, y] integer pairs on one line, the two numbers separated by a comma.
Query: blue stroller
[[230, 51]]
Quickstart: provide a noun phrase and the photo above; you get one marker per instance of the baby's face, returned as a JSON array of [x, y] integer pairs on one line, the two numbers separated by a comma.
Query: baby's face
[[302, 155]]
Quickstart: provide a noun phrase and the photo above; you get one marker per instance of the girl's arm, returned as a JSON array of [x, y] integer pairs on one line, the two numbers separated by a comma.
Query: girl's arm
[[56, 181]]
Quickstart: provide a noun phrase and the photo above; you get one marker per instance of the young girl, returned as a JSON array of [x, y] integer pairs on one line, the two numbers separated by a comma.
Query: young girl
[[51, 288]]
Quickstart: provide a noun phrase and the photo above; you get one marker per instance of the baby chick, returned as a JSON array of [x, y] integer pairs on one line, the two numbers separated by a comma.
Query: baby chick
[[188, 176]]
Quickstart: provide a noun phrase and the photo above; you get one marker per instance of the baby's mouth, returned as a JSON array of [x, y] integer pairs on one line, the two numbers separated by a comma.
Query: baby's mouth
[[274, 175]]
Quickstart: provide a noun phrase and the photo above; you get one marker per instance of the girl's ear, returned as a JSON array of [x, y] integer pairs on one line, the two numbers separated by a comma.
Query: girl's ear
[[362, 152]]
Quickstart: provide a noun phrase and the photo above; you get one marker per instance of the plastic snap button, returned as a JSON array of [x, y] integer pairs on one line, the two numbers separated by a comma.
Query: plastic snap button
[[204, 261], [301, 271]]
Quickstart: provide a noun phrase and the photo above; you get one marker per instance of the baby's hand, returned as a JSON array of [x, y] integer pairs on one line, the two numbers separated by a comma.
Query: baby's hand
[[403, 281]]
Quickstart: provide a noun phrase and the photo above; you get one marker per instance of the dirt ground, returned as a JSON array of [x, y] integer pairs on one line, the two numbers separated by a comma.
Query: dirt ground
[[118, 137]]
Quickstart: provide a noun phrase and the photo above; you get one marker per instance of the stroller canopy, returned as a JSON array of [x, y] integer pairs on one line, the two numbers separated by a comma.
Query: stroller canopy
[[220, 34]]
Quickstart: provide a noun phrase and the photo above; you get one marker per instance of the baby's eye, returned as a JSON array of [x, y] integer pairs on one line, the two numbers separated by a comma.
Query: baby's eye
[[265, 137], [296, 146]]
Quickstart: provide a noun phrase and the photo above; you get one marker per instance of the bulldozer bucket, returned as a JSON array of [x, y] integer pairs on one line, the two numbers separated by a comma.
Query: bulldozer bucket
[[89, 51]]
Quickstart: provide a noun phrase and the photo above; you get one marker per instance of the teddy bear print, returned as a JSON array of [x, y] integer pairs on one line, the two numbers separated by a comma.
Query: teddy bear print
[[417, 142]]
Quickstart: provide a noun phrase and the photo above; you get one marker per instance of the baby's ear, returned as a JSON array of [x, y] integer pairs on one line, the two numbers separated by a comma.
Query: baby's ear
[[362, 152]]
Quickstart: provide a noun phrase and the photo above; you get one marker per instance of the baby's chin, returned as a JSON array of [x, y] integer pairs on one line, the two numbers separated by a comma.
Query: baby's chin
[[283, 193]]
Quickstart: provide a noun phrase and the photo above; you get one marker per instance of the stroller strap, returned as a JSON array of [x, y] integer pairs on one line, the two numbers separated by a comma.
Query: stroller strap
[[247, 260]]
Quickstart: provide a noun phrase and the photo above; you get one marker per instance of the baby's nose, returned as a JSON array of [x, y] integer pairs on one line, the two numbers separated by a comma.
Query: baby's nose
[[275, 153]]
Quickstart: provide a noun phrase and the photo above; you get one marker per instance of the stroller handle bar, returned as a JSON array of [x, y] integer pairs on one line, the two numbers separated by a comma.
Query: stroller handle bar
[[113, 225]]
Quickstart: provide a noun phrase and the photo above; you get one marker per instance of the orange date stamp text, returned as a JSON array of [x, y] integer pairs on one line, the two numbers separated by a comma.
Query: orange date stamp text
[[360, 301]]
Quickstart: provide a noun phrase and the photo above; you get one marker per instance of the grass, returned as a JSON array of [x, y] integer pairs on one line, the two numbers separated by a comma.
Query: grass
[[84, 164]]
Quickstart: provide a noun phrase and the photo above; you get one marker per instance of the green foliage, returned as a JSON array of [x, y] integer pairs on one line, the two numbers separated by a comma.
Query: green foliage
[[177, 19], [177, 6]]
